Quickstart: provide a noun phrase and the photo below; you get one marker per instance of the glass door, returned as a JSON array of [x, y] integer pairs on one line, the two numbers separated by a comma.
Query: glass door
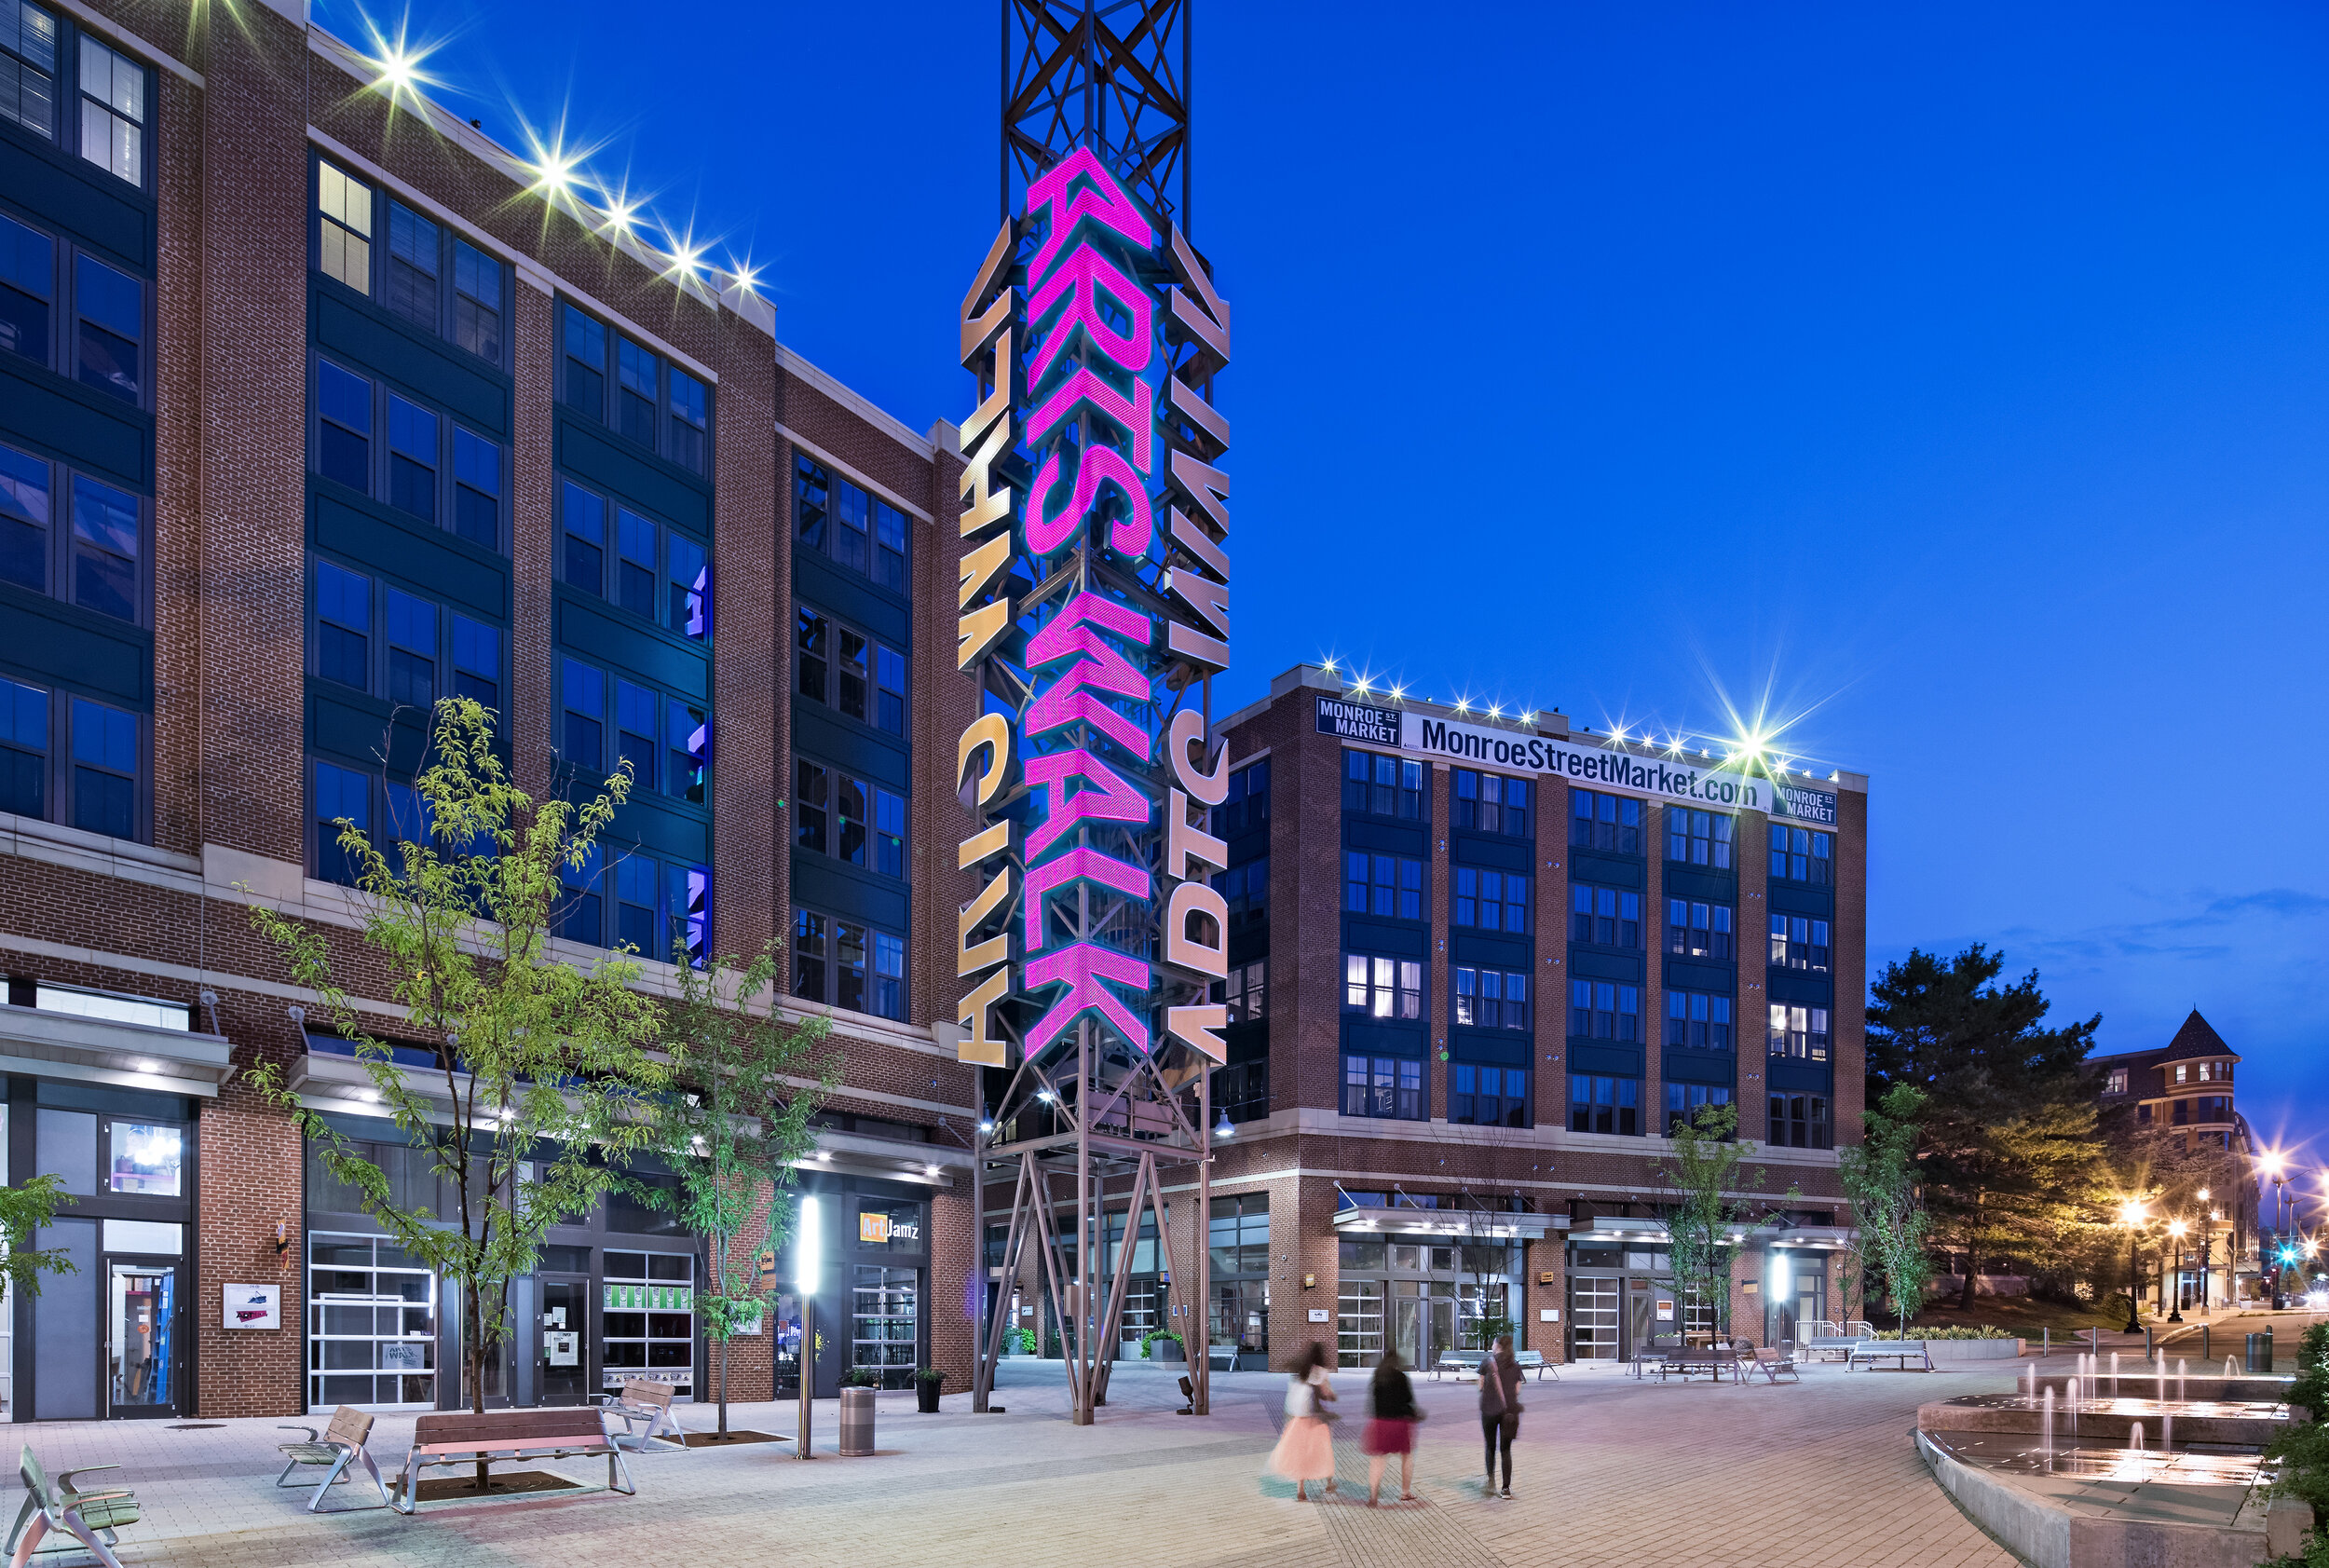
[[1359, 1322], [562, 1351], [1593, 1317], [1408, 1331], [142, 1340], [884, 1318]]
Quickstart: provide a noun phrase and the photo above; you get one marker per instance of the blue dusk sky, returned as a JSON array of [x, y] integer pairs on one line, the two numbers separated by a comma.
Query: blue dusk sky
[[1950, 389]]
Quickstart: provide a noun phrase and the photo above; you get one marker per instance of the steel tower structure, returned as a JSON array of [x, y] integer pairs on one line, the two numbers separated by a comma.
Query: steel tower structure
[[1094, 331]]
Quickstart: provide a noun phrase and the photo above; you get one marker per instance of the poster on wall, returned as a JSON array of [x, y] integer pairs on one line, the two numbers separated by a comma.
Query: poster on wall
[[253, 1306]]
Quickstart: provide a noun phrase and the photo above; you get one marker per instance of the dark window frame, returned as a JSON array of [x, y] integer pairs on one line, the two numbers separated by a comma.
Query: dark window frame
[[824, 535], [815, 942], [1392, 789], [830, 684], [380, 456], [445, 324]]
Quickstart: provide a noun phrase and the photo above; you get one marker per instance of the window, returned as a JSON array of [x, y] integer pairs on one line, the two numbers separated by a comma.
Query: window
[[888, 1000], [635, 733], [1488, 1097], [1799, 943], [340, 794], [1800, 1122], [1683, 1100], [1800, 856], [834, 667], [2180, 1070], [27, 67], [1607, 917], [889, 546], [829, 964], [689, 419], [2211, 1107], [342, 626], [1699, 1020], [113, 111], [634, 563], [110, 307], [1490, 900], [23, 749], [476, 301], [371, 1312], [106, 531], [688, 737], [1695, 930], [585, 387], [1387, 1086], [687, 598], [1238, 1233], [853, 547], [1604, 822], [476, 490], [1491, 802], [1382, 988], [412, 276], [658, 906], [28, 265], [1698, 837], [1799, 1031], [583, 562], [412, 458], [23, 519], [1384, 786], [104, 769], [1245, 889], [1604, 1105], [812, 498], [344, 437], [1246, 991], [477, 662], [1383, 884], [2116, 1082], [1603, 1010], [1246, 806], [1491, 998], [412, 650], [585, 694], [345, 210], [639, 378], [847, 818]]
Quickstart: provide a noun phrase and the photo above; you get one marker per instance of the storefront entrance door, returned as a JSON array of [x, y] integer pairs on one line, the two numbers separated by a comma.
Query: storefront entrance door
[[562, 1350], [142, 1371], [1408, 1327]]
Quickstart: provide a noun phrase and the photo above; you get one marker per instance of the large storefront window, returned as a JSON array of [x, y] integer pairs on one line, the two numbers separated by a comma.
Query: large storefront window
[[647, 1320], [371, 1325], [871, 1307], [1239, 1312], [884, 1315], [1421, 1297]]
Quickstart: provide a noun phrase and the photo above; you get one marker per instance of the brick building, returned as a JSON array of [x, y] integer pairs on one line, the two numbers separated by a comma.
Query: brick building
[[315, 404], [1467, 990]]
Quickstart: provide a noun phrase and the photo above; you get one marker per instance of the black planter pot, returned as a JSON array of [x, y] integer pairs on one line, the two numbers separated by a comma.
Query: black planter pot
[[1167, 1350], [926, 1397]]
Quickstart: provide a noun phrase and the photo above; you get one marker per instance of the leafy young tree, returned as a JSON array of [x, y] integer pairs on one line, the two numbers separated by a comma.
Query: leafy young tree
[[1986, 1063], [1703, 1211], [732, 1125], [23, 1210], [1880, 1176], [530, 1103]]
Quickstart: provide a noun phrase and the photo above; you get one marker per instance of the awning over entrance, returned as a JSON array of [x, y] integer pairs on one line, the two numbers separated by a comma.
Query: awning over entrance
[[1464, 1225], [54, 1045]]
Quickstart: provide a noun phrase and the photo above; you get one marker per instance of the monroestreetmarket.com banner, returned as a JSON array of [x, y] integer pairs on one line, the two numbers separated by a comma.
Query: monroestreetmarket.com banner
[[1701, 784]]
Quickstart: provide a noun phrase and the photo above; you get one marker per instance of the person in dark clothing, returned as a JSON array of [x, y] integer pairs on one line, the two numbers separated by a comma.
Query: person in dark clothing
[[1392, 1428], [1500, 1411]]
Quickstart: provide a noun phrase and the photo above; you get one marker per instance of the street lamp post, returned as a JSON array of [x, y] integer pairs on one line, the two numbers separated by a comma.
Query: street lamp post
[[2175, 1229], [2206, 1242], [808, 1264], [2131, 1216]]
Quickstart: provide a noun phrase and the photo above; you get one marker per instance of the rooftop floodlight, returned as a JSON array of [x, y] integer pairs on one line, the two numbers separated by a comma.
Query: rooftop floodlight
[[554, 175]]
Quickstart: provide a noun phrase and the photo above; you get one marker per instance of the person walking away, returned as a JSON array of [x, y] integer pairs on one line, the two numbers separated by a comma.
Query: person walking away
[[1305, 1450], [1500, 1411], [1392, 1428]]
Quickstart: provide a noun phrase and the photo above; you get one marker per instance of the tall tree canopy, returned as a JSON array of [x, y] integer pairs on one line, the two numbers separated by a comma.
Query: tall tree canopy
[[2007, 1149]]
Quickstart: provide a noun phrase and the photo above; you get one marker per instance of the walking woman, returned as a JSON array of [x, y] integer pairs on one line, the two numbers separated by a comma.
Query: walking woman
[[1305, 1452], [1500, 1411], [1392, 1428]]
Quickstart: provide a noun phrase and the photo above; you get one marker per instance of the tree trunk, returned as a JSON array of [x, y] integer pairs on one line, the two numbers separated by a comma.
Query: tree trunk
[[1973, 1253], [474, 1355], [719, 1282]]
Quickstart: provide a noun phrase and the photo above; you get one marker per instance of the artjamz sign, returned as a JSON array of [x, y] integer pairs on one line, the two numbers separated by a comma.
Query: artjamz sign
[[1678, 779], [1093, 606]]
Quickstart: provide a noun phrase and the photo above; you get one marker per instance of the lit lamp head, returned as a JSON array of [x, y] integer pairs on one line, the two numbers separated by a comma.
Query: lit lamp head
[[2176, 1228], [2131, 1213], [1782, 1280], [808, 1249]]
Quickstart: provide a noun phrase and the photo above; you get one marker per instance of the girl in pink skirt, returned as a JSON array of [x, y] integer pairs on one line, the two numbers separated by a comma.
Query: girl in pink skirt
[[1305, 1452]]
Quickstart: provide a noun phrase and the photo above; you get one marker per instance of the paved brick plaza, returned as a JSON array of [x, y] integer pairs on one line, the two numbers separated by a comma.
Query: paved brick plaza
[[1609, 1472]]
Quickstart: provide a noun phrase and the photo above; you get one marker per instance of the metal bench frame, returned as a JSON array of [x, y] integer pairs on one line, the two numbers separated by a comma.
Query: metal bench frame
[[94, 1519], [1897, 1351], [341, 1444], [1771, 1361], [576, 1442]]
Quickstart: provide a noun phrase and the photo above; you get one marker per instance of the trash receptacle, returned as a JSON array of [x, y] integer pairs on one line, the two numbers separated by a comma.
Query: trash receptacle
[[2260, 1353], [857, 1420]]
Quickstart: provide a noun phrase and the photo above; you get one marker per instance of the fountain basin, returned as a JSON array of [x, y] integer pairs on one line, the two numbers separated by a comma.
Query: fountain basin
[[2138, 1382], [2241, 1423]]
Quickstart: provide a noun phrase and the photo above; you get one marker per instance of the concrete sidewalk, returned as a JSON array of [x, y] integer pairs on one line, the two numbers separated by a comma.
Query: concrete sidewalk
[[1610, 1471]]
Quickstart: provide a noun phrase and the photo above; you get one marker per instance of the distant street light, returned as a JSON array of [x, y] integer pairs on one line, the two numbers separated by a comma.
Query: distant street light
[[2131, 1216], [2176, 1228]]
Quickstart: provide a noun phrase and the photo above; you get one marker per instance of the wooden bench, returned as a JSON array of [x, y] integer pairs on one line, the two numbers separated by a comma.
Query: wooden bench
[[93, 1516], [644, 1401], [341, 1444], [461, 1437], [1900, 1352]]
